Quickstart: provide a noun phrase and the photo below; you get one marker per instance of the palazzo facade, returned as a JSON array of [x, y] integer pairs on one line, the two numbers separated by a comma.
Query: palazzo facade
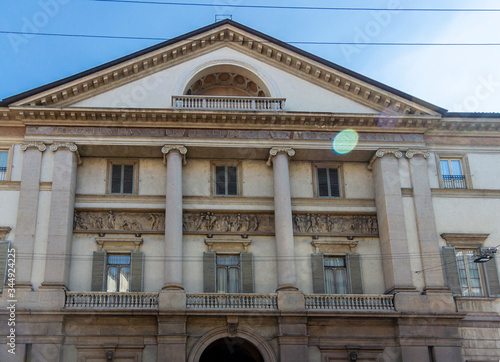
[[226, 196]]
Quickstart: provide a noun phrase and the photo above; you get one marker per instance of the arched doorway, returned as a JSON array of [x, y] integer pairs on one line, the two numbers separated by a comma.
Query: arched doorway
[[231, 350]]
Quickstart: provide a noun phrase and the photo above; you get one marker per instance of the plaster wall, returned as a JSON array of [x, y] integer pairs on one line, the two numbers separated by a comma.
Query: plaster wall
[[257, 179], [156, 90], [91, 176], [358, 181], [483, 171], [301, 179], [196, 178], [9, 201]]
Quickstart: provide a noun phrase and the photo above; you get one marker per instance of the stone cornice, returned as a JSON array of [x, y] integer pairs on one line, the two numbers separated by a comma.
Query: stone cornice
[[243, 41], [70, 147], [463, 240], [40, 146], [4, 230], [181, 149], [290, 152]]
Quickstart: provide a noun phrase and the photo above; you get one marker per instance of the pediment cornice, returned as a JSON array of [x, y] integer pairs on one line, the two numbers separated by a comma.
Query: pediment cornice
[[241, 40]]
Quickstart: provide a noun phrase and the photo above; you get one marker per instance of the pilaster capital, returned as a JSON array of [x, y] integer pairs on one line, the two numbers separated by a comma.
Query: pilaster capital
[[70, 147], [179, 148], [417, 152], [276, 150], [39, 145], [381, 152]]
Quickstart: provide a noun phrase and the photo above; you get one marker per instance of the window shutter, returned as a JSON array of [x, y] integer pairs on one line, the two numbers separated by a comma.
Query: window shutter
[[136, 269], [334, 182], [98, 271], [318, 274], [4, 250], [451, 268], [491, 276], [128, 179], [116, 176], [354, 265], [209, 272], [322, 182], [247, 272]]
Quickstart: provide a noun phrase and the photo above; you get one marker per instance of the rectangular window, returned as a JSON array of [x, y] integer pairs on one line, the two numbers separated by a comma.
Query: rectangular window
[[452, 173], [228, 273], [468, 272], [335, 275], [118, 273], [122, 179], [226, 181], [328, 182]]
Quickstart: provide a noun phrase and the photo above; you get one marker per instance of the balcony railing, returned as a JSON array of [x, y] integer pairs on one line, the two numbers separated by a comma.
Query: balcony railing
[[350, 302], [3, 173], [232, 301], [454, 182], [111, 300], [229, 103]]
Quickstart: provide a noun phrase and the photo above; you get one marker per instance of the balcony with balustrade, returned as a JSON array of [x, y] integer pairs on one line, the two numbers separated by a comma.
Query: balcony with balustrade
[[230, 302]]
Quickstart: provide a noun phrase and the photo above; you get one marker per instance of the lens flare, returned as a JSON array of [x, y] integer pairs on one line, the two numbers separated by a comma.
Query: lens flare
[[345, 141]]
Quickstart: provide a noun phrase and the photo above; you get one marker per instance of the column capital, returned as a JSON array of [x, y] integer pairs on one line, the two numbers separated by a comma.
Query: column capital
[[417, 152], [70, 146], [381, 152], [276, 150], [39, 145], [179, 148]]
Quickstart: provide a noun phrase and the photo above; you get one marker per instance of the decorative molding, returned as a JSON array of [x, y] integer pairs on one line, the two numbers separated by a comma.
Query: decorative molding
[[234, 245], [210, 223], [181, 149], [381, 152], [38, 145], [331, 246], [462, 240], [16, 186], [466, 193], [275, 150], [119, 244], [70, 147], [4, 230], [417, 152]]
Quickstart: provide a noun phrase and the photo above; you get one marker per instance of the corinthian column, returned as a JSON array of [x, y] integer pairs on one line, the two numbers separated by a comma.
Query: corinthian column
[[283, 217], [62, 207], [27, 211], [174, 158]]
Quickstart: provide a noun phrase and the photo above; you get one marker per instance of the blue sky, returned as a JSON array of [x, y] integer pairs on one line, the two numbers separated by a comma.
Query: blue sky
[[456, 78]]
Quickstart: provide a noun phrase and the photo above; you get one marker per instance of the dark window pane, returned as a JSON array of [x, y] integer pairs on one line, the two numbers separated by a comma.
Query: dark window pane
[[128, 179], [334, 182], [232, 181], [322, 182], [220, 180], [116, 176]]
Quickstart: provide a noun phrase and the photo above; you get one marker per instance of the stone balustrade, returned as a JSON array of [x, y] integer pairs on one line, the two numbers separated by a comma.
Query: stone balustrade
[[350, 302], [111, 300], [232, 301], [229, 103]]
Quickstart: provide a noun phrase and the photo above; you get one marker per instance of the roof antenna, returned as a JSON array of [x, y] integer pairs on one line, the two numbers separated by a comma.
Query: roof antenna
[[219, 17]]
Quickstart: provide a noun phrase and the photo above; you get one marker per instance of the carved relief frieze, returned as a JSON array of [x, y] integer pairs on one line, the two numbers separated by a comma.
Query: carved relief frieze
[[224, 223]]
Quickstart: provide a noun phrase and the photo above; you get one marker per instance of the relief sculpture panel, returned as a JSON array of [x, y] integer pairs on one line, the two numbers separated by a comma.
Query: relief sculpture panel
[[225, 223]]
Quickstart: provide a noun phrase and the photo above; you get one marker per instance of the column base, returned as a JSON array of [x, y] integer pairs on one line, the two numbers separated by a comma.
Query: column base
[[401, 289], [172, 299], [49, 285], [287, 287], [172, 286], [439, 290], [291, 300], [24, 286]]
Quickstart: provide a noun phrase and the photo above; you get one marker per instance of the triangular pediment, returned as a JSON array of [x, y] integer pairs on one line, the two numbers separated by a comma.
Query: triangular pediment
[[290, 72]]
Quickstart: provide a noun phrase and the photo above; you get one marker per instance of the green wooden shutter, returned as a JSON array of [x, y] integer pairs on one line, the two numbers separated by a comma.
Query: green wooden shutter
[[136, 270], [491, 276], [4, 250], [354, 265], [451, 269], [209, 272], [98, 271], [246, 260], [318, 273]]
